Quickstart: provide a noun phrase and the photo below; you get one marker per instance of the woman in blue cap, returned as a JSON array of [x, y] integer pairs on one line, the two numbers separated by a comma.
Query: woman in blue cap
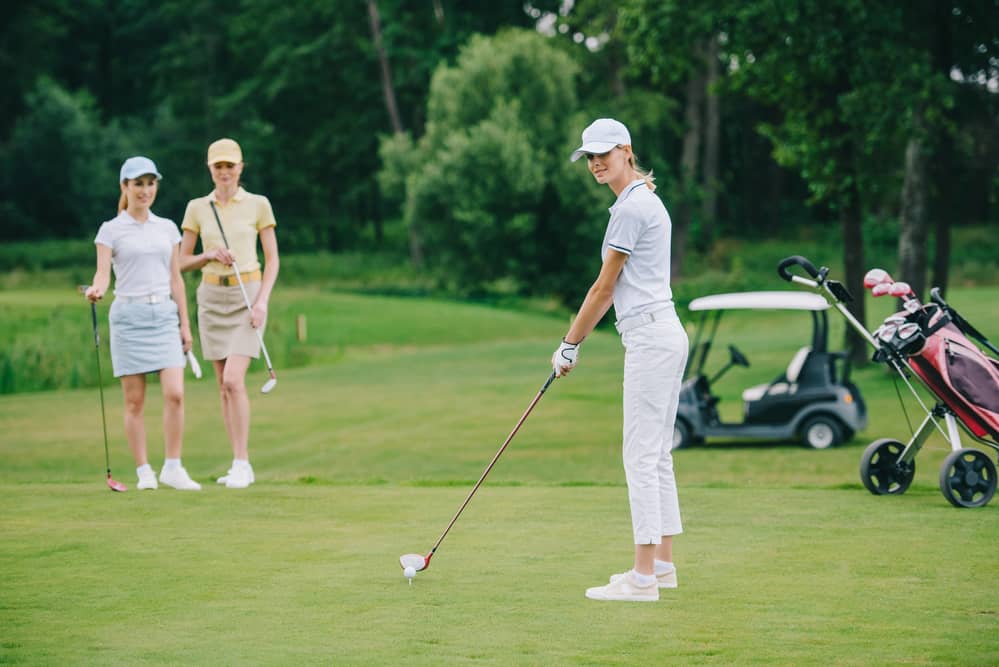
[[150, 331], [635, 278]]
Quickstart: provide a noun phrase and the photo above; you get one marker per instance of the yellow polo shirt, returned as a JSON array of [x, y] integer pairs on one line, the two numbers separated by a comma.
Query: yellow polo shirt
[[242, 219]]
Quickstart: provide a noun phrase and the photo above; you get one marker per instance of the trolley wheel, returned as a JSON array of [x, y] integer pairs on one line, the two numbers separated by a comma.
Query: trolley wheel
[[880, 470], [822, 432], [681, 435], [968, 478]]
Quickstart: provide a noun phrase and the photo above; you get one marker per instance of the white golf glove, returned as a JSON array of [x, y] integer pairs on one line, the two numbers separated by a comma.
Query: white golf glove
[[564, 358]]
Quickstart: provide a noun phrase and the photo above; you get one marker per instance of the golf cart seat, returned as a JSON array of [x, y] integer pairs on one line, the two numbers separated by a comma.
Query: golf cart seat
[[785, 384]]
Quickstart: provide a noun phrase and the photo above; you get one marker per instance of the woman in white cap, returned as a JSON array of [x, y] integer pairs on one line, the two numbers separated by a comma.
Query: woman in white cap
[[226, 329], [150, 332], [635, 278]]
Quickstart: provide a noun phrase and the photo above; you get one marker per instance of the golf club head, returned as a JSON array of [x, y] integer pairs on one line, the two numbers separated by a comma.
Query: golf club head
[[116, 486], [415, 561], [876, 277], [886, 332], [900, 289], [269, 385], [880, 289], [195, 366]]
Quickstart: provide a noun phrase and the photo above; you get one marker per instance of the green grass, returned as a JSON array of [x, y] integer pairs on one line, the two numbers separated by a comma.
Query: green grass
[[366, 454], [297, 574]]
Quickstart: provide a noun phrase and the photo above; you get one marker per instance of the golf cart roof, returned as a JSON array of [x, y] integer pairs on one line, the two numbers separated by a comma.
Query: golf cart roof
[[788, 300]]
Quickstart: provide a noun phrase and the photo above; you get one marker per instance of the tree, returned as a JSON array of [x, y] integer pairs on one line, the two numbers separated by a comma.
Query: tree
[[675, 45], [961, 38], [822, 65], [488, 184], [388, 89], [58, 140]]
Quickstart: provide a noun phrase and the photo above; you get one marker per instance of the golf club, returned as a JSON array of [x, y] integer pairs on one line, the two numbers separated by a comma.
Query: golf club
[[413, 563], [901, 290], [269, 385], [112, 484], [881, 289], [876, 277]]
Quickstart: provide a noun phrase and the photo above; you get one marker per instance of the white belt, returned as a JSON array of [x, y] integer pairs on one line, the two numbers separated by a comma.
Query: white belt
[[147, 298], [641, 319]]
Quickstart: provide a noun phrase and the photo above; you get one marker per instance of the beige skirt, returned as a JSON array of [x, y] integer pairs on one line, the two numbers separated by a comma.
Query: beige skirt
[[224, 321]]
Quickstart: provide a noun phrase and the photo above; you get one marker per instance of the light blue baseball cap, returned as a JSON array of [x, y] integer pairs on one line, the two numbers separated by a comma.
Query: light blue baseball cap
[[137, 166]]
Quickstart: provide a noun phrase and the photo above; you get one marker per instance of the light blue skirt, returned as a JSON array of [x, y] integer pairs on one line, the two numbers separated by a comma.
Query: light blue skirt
[[145, 337]]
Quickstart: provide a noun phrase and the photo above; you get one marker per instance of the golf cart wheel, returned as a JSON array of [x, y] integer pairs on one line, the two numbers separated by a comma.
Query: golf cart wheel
[[681, 435], [822, 432], [968, 478], [881, 471]]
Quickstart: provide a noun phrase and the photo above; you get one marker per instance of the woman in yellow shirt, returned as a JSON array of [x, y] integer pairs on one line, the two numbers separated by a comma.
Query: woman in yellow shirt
[[226, 329]]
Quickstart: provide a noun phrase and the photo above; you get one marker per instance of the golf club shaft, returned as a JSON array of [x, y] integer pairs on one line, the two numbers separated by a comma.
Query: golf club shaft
[[100, 385], [239, 281], [493, 462], [246, 300]]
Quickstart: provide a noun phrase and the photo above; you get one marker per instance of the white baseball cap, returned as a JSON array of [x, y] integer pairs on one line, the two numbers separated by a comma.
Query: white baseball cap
[[137, 166], [601, 136]]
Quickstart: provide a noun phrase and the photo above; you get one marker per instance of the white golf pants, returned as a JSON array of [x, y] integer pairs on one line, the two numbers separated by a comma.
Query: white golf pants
[[654, 360]]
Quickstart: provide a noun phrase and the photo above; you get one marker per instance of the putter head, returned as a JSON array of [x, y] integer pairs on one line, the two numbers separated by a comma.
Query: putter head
[[116, 486], [415, 561], [195, 366], [269, 385], [876, 277]]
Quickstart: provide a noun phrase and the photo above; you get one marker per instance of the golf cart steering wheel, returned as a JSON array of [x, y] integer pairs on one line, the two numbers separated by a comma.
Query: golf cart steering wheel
[[738, 358]]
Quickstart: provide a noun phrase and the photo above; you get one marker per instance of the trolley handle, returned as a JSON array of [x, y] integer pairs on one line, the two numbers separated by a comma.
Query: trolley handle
[[799, 261]]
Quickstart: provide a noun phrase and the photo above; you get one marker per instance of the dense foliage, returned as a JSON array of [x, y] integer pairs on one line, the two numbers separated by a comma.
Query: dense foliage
[[439, 129]]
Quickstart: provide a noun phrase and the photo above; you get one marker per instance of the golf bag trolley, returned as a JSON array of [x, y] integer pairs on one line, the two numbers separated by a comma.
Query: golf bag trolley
[[933, 342]]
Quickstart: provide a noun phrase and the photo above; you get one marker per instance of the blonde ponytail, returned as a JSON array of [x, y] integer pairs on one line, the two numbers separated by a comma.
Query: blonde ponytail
[[122, 202], [642, 173]]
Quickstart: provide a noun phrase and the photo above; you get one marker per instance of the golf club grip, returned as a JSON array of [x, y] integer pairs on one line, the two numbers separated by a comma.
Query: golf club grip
[[800, 261], [93, 318], [548, 382]]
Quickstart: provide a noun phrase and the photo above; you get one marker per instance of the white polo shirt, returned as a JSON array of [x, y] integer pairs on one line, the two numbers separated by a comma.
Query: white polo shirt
[[640, 227], [140, 253]]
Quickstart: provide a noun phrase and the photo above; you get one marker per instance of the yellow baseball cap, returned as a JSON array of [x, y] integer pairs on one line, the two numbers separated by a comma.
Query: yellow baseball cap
[[224, 150]]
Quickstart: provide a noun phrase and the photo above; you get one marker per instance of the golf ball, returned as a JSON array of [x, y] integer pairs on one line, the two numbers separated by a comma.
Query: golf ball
[[410, 572]]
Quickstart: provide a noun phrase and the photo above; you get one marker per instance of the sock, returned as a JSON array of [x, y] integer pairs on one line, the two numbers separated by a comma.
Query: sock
[[171, 463], [643, 579], [663, 567], [144, 468], [240, 463]]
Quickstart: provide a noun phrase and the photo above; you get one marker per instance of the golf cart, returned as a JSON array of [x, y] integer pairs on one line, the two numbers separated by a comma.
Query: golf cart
[[812, 401]]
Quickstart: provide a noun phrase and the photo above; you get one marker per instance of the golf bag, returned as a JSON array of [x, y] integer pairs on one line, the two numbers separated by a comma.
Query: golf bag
[[932, 340]]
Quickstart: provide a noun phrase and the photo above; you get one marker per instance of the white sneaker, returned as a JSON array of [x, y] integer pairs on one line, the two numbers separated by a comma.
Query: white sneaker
[[225, 478], [239, 477], [667, 580], [147, 480], [178, 478], [625, 589]]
